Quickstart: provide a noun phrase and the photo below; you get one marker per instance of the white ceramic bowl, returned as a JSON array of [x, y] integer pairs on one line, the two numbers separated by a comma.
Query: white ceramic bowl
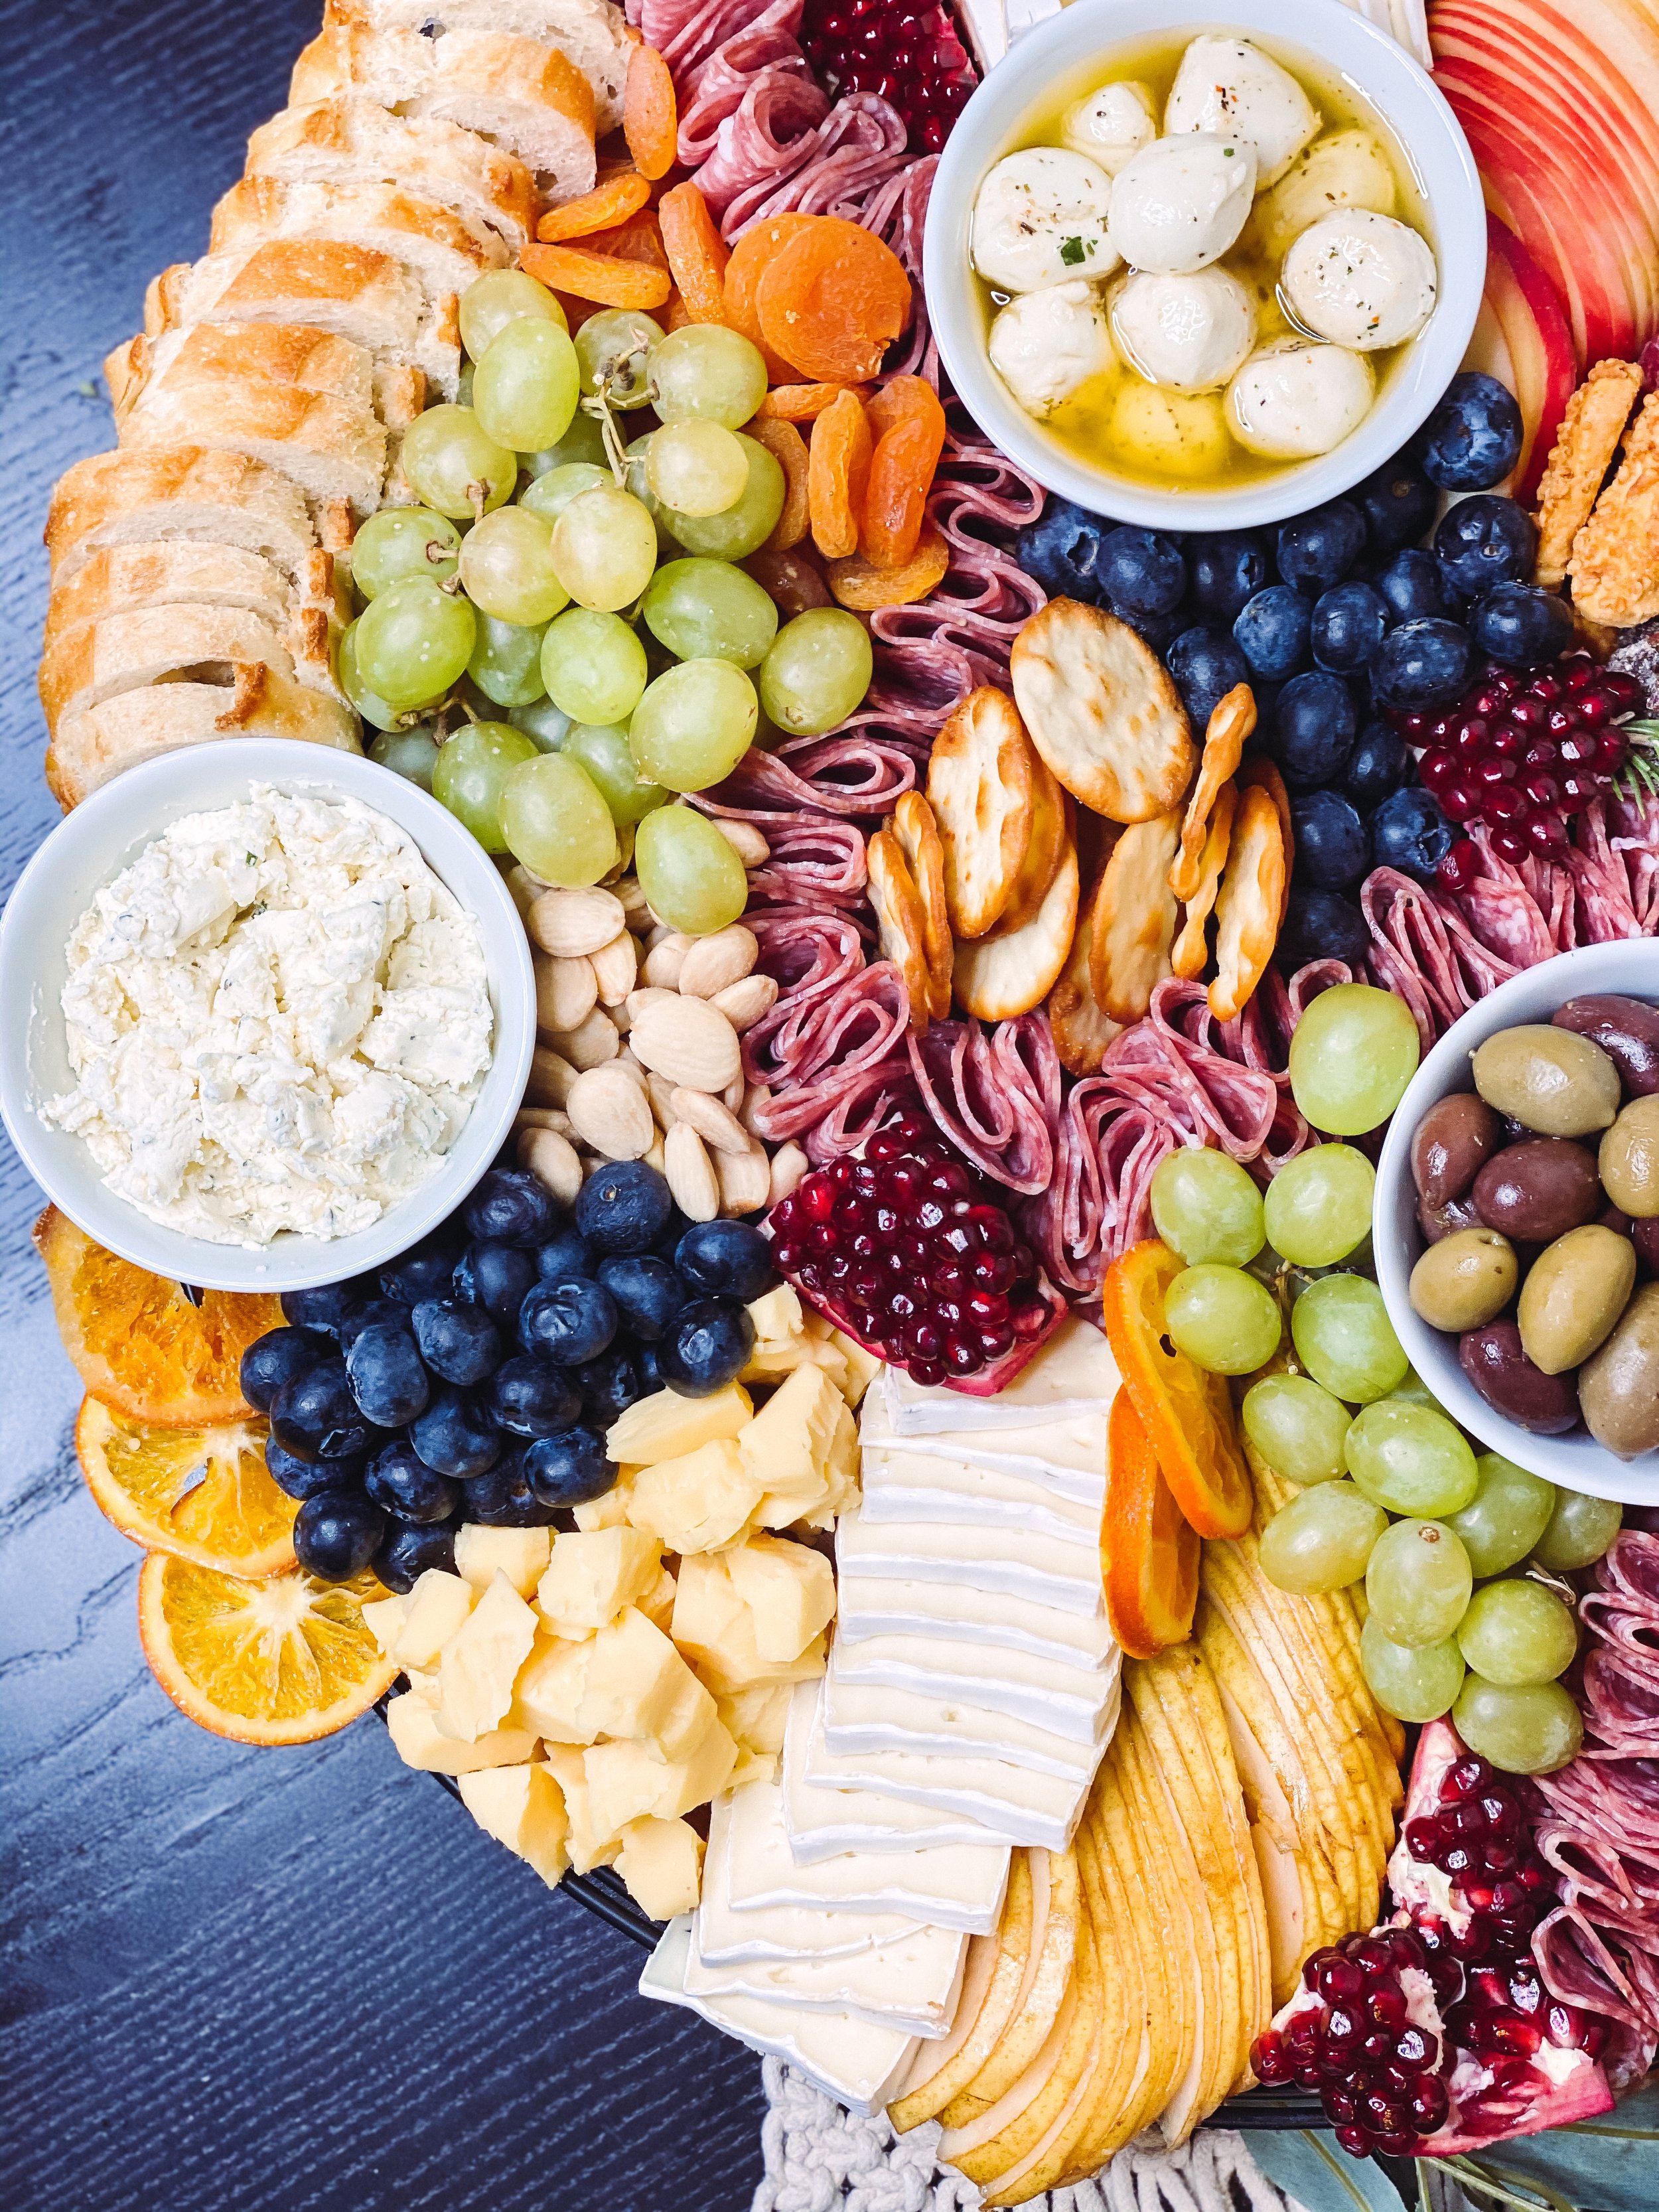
[[1575, 1461], [992, 123], [104, 835]]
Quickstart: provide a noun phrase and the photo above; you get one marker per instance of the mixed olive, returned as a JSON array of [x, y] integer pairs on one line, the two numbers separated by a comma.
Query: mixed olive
[[1538, 1193]]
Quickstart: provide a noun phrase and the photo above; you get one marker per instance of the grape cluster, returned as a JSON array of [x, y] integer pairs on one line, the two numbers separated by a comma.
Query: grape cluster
[[474, 1379]]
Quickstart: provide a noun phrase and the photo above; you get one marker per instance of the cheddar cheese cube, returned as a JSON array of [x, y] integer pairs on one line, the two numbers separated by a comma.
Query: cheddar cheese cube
[[592, 1575], [520, 1555], [789, 1588], [627, 1680], [522, 1806], [697, 1503], [667, 1426], [661, 1863], [415, 1734], [480, 1662], [718, 1632], [625, 1783], [438, 1605], [588, 1846], [384, 1618], [756, 1719], [609, 1511]]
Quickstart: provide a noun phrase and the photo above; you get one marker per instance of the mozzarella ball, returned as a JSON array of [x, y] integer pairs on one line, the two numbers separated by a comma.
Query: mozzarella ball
[[1182, 201], [1229, 87], [1360, 279], [1186, 334], [1041, 219], [1294, 398], [1345, 168], [1168, 434], [1045, 344], [1111, 124]]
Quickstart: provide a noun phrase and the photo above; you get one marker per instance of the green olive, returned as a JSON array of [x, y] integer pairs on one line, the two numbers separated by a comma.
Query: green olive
[[1618, 1385], [1629, 1160], [1551, 1080], [1465, 1280], [1576, 1290]]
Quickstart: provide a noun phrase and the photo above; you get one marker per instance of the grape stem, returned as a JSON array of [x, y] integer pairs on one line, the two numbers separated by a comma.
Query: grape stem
[[599, 407]]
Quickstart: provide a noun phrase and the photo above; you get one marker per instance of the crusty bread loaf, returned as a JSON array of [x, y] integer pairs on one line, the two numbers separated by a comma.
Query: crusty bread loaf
[[332, 449], [353, 140], [592, 33], [444, 252], [178, 492], [525, 97], [142, 645]]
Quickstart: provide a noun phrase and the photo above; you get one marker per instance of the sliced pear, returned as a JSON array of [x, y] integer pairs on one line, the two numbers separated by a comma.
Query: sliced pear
[[1048, 1980], [1158, 1919], [1201, 2086], [941, 2070], [1121, 2042], [1062, 2108], [1127, 2093]]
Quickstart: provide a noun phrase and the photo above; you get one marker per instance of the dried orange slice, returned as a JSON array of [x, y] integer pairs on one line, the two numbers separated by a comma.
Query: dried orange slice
[[136, 1340], [282, 1660], [1148, 1553], [201, 1494]]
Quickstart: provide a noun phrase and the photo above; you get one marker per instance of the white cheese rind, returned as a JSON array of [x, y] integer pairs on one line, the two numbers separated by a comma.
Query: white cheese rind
[[915, 1486], [1071, 1701], [725, 1938], [859, 1719], [909, 1984], [1058, 1571], [873, 1605]]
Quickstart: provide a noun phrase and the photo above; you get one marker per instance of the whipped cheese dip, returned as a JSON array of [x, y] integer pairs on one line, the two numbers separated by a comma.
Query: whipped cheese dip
[[278, 1019]]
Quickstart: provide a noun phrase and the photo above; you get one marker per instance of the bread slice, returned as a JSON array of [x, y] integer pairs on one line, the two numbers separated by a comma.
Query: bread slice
[[441, 249], [527, 98], [181, 493], [307, 612], [592, 33], [274, 353], [128, 651], [353, 141]]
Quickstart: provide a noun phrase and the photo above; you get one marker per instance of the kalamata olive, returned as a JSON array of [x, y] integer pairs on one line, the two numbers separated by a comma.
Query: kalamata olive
[[1574, 1293], [1626, 1031], [1439, 1221], [1465, 1280], [1619, 1386], [1554, 1080], [1611, 1218], [1453, 1142], [793, 580], [1629, 1160], [1537, 1190], [1644, 1236], [1492, 1358]]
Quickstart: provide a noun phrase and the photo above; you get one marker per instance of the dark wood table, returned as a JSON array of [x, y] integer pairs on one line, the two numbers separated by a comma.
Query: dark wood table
[[232, 1978]]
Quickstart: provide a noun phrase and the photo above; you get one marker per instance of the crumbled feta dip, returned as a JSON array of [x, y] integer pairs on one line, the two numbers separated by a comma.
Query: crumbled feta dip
[[279, 1019]]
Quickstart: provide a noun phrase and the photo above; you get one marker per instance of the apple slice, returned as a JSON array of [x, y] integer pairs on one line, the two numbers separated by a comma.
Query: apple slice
[[1016, 2163], [1047, 1982], [1528, 312], [992, 1982], [1187, 1935]]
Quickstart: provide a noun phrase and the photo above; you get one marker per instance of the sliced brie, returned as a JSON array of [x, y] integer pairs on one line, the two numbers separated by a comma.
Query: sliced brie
[[825, 1823], [725, 1938], [1074, 1373], [1062, 1572], [876, 1605], [922, 1487], [910, 1985], [1072, 1701], [858, 1719]]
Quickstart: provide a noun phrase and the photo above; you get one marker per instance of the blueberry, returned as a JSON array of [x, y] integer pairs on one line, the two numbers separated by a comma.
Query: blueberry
[[622, 1207], [337, 1534], [1061, 549], [706, 1348], [316, 1417], [1410, 833], [647, 1292], [495, 1277], [1140, 572], [456, 1436], [1227, 573], [650, 1368], [726, 1260], [609, 1384], [1155, 630], [323, 1307], [387, 1379], [1330, 841], [570, 1469], [1318, 547], [1313, 729], [1272, 630], [461, 1344], [276, 1358], [425, 1272], [1412, 585], [1521, 625], [1398, 503], [1321, 925], [1205, 665], [372, 1313], [302, 1478], [528, 1396], [502, 1498], [511, 1207], [1473, 438], [1378, 764], [410, 1550], [1349, 622], [571, 1322], [1422, 663], [564, 1255], [400, 1483], [664, 1245], [1485, 541]]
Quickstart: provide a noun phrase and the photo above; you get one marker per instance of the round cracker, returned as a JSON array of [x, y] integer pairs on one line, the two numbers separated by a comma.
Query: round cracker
[[1103, 712], [979, 785], [999, 976], [899, 920]]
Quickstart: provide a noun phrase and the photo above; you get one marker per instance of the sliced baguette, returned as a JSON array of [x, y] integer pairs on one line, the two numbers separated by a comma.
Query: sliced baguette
[[253, 701], [592, 33], [180, 494], [275, 352], [122, 579], [441, 248], [127, 651], [332, 449]]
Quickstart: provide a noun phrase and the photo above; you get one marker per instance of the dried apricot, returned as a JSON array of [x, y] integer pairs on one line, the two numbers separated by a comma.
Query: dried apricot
[[833, 299], [601, 277], [650, 117], [788, 449], [697, 252], [909, 427], [751, 257], [639, 238], [621, 194], [859, 584], [837, 467], [804, 402]]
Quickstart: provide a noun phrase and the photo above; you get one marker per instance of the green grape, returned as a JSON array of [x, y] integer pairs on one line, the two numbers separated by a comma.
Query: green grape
[[523, 390], [1507, 1516], [583, 441], [1321, 1539], [698, 468], [471, 768], [506, 661], [1579, 1530], [1206, 1208], [1319, 1205], [742, 528], [604, 549], [690, 873], [490, 302], [635, 457], [453, 465], [1222, 1318], [413, 643], [1412, 1684], [693, 725], [709, 610], [551, 494], [818, 670], [1517, 1630], [369, 704], [1354, 1051], [506, 567], [1417, 1583], [1531, 1728], [1410, 1458], [1414, 1391], [543, 722], [614, 349], [554, 820], [464, 385], [603, 749], [400, 542], [1297, 1427], [593, 666], [1343, 1338], [705, 370], [411, 754]]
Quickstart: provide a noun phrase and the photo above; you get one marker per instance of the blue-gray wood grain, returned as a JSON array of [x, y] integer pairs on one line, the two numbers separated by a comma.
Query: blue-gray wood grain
[[296, 1981]]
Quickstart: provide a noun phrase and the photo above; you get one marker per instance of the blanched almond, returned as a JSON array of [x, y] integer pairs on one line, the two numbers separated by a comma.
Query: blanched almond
[[757, 1095], [690, 1172], [735, 1092], [724, 956], [541, 1117], [553, 1159], [551, 1078], [592, 1042], [661, 1091], [714, 1121], [633, 902], [789, 1166], [565, 992], [615, 967], [571, 923], [631, 1068], [746, 841], [745, 1178], [743, 1004], [525, 888], [662, 962], [611, 1112], [689, 1040], [637, 1001]]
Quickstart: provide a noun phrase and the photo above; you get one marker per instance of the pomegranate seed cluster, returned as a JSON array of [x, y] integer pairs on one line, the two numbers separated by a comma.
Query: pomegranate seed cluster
[[904, 1250], [905, 50]]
